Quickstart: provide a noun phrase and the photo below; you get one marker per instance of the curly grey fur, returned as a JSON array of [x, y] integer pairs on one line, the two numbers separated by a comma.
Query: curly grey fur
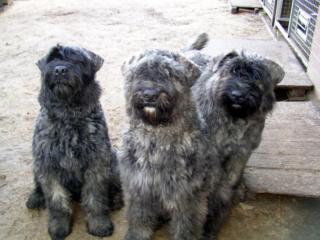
[[193, 51], [234, 95], [199, 43], [167, 167], [72, 154]]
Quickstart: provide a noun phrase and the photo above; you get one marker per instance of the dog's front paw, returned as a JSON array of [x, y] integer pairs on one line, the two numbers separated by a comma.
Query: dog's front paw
[[100, 226], [35, 200], [131, 236], [59, 228], [137, 234], [240, 193]]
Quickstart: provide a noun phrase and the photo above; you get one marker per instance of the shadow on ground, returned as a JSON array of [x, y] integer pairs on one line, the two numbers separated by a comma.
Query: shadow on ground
[[272, 217]]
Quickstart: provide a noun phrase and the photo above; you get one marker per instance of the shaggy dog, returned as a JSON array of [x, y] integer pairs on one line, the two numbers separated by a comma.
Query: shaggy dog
[[234, 95], [72, 154], [167, 167]]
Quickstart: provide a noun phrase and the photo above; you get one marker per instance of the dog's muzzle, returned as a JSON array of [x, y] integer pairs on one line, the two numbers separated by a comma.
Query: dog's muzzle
[[150, 97], [60, 70], [155, 105], [237, 99]]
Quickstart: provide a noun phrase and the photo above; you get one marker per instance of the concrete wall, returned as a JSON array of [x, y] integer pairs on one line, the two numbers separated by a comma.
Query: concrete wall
[[314, 60]]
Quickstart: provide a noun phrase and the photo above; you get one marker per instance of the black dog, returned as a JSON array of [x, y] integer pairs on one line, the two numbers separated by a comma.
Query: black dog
[[72, 154], [234, 95]]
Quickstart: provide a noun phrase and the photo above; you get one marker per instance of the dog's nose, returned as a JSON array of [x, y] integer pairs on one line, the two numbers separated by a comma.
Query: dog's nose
[[236, 94], [60, 70], [150, 94]]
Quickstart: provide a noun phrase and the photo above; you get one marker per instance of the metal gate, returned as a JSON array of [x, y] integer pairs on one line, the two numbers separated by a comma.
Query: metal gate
[[302, 24], [269, 7]]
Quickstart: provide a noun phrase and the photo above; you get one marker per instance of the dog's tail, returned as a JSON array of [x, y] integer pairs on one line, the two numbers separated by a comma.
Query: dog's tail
[[199, 43]]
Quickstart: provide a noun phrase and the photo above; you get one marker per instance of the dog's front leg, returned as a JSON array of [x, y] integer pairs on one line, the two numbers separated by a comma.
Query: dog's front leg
[[36, 198], [234, 167], [59, 206], [142, 220], [95, 201], [187, 221], [219, 206]]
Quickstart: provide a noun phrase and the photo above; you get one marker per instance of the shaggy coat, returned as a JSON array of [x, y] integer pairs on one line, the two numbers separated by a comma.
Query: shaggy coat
[[167, 167], [72, 154], [234, 95]]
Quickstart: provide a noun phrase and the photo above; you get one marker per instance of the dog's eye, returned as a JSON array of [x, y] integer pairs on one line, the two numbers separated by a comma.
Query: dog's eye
[[234, 70], [54, 57], [54, 54], [256, 75], [77, 62]]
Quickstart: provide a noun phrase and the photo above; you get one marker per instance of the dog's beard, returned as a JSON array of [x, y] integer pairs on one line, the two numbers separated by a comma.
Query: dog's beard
[[155, 113], [150, 113], [62, 91], [243, 108], [66, 87]]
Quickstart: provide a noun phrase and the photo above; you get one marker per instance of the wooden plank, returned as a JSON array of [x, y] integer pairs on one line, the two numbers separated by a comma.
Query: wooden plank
[[278, 51], [245, 3], [297, 183], [288, 158], [6, 2]]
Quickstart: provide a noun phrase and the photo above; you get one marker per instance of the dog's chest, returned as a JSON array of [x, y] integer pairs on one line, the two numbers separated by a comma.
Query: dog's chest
[[164, 150], [234, 138], [62, 146], [163, 167], [229, 137]]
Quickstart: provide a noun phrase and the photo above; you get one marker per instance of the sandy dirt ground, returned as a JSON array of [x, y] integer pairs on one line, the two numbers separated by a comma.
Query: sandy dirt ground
[[115, 30]]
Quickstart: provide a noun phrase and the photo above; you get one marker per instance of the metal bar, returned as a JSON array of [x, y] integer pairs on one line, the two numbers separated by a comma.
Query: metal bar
[[290, 20], [281, 29], [279, 7]]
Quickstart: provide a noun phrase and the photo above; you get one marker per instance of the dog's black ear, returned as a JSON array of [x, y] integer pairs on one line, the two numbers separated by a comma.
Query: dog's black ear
[[41, 63], [227, 57], [127, 65], [131, 63], [95, 60], [276, 71], [53, 52], [190, 70]]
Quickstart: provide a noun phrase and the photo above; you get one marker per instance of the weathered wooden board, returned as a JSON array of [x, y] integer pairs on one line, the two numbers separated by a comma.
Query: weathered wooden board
[[288, 158], [277, 181], [246, 3], [278, 51], [7, 1]]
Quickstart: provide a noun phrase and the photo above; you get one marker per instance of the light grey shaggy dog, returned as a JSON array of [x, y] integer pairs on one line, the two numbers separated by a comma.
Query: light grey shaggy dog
[[72, 154], [234, 95], [167, 168]]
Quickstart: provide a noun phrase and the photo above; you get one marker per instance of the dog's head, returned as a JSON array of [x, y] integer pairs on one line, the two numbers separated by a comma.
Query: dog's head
[[157, 83], [246, 83], [67, 71]]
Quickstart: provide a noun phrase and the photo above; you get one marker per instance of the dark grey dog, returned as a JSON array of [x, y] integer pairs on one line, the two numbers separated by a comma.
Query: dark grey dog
[[167, 167], [73, 158], [234, 95]]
